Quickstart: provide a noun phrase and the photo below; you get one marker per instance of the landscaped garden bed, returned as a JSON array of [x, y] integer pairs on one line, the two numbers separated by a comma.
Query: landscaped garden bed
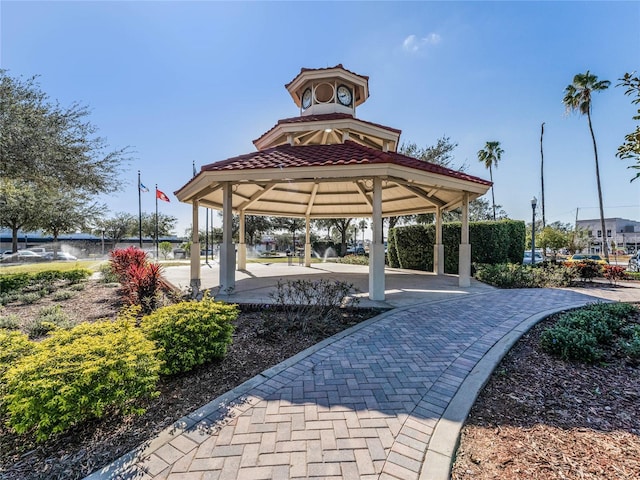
[[259, 341]]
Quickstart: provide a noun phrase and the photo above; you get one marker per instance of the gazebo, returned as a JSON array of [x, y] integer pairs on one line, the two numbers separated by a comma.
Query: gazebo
[[326, 163]]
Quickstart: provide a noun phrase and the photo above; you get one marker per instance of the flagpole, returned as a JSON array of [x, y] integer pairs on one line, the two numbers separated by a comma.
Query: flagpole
[[156, 221], [139, 212]]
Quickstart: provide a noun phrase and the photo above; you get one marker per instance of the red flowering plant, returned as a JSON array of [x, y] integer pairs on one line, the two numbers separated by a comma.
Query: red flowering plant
[[614, 273]]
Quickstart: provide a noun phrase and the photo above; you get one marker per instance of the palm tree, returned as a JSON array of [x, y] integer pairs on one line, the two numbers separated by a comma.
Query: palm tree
[[577, 97], [490, 155]]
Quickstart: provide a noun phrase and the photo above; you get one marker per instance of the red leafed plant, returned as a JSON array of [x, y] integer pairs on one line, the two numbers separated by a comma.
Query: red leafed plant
[[614, 273], [144, 285], [124, 258], [141, 281]]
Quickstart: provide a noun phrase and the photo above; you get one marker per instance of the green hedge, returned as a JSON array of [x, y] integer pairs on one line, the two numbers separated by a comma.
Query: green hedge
[[411, 246], [10, 282], [77, 374], [190, 333]]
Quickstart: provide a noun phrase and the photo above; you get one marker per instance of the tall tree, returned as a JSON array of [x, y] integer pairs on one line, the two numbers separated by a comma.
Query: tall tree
[[49, 145], [19, 208], [255, 225], [166, 223], [577, 98], [65, 212], [490, 155], [291, 225], [630, 149], [117, 227]]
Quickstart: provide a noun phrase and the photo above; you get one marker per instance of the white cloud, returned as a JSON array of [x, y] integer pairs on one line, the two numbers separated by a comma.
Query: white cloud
[[413, 44]]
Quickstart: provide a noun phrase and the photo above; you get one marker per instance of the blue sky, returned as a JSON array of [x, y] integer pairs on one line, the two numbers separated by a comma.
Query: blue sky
[[180, 82]]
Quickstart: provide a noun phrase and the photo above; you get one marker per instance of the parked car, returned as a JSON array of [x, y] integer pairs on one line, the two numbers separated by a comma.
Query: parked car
[[634, 263], [581, 257], [60, 257], [359, 250], [22, 256], [526, 260]]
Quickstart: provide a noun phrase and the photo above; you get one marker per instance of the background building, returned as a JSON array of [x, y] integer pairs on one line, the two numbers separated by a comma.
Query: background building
[[625, 234]]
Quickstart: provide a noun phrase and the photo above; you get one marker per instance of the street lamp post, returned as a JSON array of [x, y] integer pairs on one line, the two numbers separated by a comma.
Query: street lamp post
[[534, 202]]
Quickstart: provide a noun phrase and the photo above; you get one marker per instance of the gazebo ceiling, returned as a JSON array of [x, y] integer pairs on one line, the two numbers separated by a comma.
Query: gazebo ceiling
[[330, 181]]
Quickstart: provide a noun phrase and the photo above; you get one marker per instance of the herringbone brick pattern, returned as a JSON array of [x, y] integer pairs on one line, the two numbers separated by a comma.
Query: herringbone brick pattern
[[363, 407]]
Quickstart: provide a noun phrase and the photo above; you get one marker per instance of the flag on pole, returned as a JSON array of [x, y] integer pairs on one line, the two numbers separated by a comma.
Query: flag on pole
[[162, 196], [142, 188]]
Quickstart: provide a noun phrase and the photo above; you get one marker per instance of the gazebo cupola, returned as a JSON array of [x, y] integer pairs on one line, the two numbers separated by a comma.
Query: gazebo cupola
[[327, 99], [328, 90]]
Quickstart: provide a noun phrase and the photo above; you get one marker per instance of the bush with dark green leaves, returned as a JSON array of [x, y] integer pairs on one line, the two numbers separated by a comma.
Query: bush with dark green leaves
[[86, 372], [513, 275], [582, 335], [190, 333], [411, 246]]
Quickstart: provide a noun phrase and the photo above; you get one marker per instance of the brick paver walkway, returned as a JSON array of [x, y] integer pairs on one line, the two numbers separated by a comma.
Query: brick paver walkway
[[365, 405]]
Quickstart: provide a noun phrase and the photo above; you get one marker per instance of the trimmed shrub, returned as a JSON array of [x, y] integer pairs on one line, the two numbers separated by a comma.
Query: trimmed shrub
[[14, 281], [491, 242], [571, 344], [13, 346], [354, 259], [579, 335], [190, 333], [392, 251], [78, 374], [524, 276]]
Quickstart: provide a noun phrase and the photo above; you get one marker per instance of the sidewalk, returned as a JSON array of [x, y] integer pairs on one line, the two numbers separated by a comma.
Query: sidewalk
[[384, 400]]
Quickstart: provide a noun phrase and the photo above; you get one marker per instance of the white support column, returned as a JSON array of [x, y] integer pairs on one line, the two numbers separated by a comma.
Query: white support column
[[195, 251], [438, 247], [376, 251], [227, 248], [464, 259], [242, 246], [307, 242]]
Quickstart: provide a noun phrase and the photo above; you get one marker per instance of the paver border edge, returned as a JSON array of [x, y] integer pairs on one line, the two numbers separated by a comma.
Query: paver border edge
[[445, 439]]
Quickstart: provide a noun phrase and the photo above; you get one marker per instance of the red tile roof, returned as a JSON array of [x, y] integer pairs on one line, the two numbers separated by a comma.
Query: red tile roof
[[302, 70], [326, 117], [348, 153]]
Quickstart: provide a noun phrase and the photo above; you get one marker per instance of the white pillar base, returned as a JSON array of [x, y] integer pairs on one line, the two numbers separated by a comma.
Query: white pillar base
[[227, 268], [438, 259], [242, 256], [195, 269], [307, 254], [464, 265], [376, 272]]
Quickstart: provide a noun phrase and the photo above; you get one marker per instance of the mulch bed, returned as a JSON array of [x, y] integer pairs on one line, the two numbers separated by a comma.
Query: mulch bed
[[92, 445], [542, 418]]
